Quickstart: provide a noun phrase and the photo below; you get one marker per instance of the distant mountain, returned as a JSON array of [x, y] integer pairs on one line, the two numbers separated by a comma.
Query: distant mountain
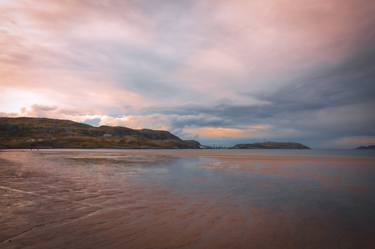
[[55, 133], [368, 147], [271, 145]]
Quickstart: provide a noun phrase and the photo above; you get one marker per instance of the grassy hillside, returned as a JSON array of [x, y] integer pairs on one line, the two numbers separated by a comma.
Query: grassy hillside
[[54, 133]]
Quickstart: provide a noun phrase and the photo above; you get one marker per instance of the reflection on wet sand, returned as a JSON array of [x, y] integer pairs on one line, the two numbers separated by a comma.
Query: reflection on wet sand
[[185, 199]]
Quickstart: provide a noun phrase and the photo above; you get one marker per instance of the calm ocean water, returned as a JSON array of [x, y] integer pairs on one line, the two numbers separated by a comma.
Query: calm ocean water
[[187, 199]]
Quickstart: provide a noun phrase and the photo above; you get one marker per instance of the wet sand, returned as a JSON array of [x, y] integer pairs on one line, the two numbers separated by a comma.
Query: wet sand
[[185, 199]]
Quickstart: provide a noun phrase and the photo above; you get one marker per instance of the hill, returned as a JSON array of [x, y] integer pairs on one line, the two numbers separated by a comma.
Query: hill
[[368, 147], [271, 145], [55, 133]]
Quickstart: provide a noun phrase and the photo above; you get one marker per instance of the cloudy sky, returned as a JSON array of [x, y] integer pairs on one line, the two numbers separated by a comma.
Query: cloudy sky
[[218, 71]]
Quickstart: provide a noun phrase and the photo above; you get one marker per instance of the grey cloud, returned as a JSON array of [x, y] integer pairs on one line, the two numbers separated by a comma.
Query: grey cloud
[[331, 103]]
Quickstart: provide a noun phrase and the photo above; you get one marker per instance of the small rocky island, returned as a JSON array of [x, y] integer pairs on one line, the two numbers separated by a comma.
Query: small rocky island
[[271, 145], [368, 147], [20, 133]]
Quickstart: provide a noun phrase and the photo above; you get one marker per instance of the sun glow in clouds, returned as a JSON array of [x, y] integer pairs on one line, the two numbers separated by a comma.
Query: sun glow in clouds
[[14, 100], [245, 131]]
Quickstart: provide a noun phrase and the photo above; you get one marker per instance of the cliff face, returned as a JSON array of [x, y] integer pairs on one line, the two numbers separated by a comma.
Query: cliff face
[[55, 133], [271, 145]]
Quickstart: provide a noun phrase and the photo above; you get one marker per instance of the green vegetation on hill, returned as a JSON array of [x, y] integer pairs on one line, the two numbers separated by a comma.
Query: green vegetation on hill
[[54, 133], [271, 145]]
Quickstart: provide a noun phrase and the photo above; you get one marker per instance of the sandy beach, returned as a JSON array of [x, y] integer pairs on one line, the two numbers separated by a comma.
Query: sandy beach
[[185, 199]]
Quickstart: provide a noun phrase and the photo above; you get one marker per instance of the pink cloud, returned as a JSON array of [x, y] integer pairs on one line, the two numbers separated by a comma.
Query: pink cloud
[[216, 132], [234, 46], [252, 43], [253, 130]]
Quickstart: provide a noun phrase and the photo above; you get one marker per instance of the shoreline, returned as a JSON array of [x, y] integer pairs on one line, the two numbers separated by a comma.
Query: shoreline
[[226, 154]]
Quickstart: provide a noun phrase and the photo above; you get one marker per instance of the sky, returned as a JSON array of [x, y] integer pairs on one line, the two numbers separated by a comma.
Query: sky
[[221, 72]]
